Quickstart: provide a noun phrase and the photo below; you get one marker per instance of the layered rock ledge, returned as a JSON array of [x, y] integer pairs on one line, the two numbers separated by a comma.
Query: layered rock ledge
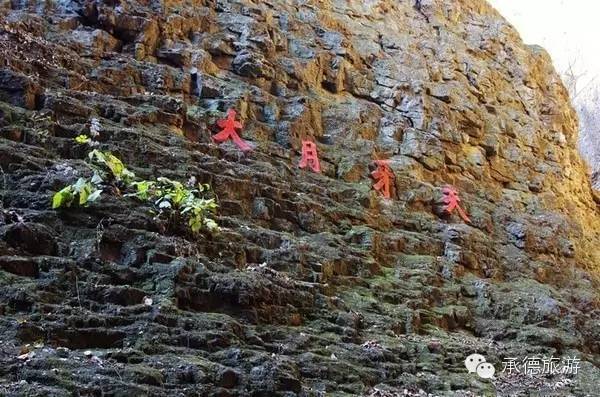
[[316, 286]]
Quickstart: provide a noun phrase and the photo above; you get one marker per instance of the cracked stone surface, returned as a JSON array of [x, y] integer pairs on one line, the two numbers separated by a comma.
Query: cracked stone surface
[[316, 286]]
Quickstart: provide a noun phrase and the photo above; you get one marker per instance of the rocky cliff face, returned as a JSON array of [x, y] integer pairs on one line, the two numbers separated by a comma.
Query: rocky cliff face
[[316, 285]]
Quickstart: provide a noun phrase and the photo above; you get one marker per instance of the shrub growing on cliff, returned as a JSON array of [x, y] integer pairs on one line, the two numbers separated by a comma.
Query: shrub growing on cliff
[[170, 198], [196, 205], [108, 166], [83, 192]]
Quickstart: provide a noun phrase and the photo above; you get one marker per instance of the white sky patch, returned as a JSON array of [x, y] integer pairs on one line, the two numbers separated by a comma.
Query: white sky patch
[[568, 29]]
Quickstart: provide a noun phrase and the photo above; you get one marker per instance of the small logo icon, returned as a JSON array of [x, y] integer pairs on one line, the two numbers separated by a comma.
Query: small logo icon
[[486, 370], [476, 363]]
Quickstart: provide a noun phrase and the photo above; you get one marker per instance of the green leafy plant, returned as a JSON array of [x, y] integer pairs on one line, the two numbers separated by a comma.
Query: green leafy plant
[[199, 210], [83, 191], [144, 190], [105, 161], [197, 205], [106, 167], [170, 198], [82, 139]]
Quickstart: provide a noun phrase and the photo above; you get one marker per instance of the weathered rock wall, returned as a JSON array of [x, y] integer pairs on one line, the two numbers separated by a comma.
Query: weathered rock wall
[[316, 285]]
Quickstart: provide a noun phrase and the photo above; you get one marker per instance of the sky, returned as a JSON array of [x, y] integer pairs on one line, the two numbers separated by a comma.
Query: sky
[[568, 29]]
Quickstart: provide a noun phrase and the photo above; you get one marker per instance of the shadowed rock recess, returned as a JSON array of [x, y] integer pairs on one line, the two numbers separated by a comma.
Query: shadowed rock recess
[[316, 285]]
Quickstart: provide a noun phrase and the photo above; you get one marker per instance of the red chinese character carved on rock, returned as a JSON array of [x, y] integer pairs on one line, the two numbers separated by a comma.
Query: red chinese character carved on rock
[[452, 201], [229, 125], [309, 156], [384, 176]]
